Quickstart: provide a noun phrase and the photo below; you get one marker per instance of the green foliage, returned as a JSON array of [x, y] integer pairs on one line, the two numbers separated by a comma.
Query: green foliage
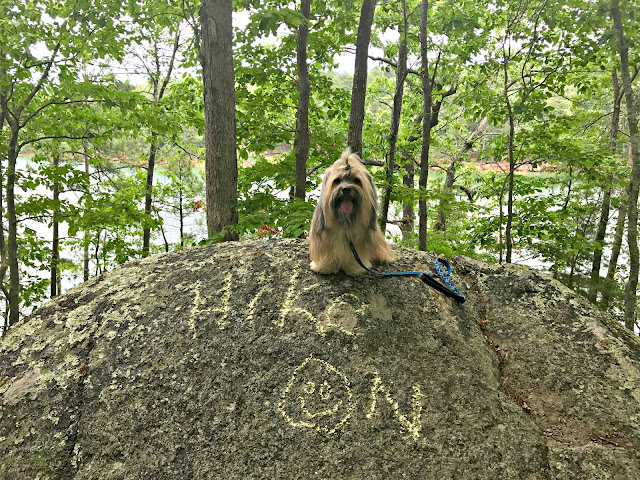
[[264, 205], [111, 219], [181, 193], [551, 60]]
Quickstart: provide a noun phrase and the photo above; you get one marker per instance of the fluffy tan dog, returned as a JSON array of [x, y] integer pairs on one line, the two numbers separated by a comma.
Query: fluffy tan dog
[[347, 210]]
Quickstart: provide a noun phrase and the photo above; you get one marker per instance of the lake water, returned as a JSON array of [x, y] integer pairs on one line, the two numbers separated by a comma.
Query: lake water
[[194, 224]]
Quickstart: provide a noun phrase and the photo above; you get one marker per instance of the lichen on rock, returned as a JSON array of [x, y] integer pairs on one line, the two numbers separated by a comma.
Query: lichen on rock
[[236, 361]]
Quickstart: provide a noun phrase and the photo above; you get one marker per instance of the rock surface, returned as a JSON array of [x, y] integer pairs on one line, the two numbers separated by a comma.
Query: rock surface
[[236, 361]]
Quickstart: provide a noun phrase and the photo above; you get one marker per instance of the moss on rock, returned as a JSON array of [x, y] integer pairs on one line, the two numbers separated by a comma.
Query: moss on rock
[[236, 361]]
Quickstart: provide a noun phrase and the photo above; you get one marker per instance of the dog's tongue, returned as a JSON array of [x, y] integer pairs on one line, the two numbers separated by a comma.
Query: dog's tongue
[[346, 207]]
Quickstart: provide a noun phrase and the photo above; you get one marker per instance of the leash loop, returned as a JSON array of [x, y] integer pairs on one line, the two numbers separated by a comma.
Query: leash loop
[[448, 289]]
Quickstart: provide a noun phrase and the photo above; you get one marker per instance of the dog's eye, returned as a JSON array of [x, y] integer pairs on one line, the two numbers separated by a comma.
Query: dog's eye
[[337, 181], [357, 181]]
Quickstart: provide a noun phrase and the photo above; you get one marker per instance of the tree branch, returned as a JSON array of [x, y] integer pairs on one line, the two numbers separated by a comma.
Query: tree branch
[[465, 190], [375, 163], [55, 137], [176, 45], [40, 83], [55, 102]]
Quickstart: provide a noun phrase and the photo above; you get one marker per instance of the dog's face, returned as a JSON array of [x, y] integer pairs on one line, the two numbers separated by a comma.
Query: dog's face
[[348, 193]]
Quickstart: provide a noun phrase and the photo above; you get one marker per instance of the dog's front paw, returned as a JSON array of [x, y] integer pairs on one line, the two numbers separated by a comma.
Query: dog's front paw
[[324, 268], [354, 271]]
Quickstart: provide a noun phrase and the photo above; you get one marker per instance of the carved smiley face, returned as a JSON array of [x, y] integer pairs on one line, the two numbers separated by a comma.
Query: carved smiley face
[[317, 396]]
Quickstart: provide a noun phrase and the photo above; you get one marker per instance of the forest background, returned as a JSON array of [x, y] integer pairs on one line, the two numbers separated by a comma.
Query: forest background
[[504, 131]]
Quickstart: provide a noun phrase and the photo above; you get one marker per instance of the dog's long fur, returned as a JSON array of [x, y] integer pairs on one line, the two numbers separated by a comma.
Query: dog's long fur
[[346, 182]]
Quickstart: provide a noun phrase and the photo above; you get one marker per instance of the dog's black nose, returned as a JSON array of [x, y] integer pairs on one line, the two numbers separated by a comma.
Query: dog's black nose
[[346, 191]]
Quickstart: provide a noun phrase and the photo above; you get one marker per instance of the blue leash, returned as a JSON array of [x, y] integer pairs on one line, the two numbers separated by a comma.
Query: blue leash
[[449, 289]]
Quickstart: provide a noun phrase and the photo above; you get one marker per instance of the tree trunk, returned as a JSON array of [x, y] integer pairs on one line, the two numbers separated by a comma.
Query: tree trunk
[[359, 90], [447, 195], [221, 165], [3, 246], [569, 186], [426, 127], [55, 242], [616, 245], [401, 74], [158, 94], [11, 263], [595, 283], [12, 241], [408, 212], [85, 256], [634, 184], [181, 213], [302, 120], [500, 222], [148, 195], [512, 164]]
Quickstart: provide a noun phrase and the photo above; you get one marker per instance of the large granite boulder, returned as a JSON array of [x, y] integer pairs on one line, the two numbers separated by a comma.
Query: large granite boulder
[[236, 361]]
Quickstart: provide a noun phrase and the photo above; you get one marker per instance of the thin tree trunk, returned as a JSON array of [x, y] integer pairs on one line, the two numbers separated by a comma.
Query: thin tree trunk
[[221, 165], [595, 283], [596, 263], [359, 90], [158, 94], [408, 212], [616, 246], [85, 259], [447, 194], [634, 184], [181, 202], [401, 75], [512, 163], [164, 237], [148, 196], [181, 213], [302, 121], [9, 259], [96, 254], [55, 243], [569, 186], [500, 222], [507, 230], [3, 246], [14, 119], [12, 241], [426, 127]]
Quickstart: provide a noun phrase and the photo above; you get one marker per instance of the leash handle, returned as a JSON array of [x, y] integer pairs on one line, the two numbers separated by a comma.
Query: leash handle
[[445, 278], [449, 289]]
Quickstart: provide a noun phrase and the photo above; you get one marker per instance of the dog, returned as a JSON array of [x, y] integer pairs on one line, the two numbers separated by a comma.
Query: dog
[[346, 211]]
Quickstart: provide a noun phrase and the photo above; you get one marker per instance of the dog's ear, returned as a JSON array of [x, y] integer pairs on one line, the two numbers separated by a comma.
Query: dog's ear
[[373, 221], [345, 155], [373, 188], [317, 223]]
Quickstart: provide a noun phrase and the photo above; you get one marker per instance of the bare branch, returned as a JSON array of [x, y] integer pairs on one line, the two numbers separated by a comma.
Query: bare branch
[[40, 83], [375, 163], [465, 190], [55, 137], [310, 172], [176, 45], [55, 102], [192, 155]]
